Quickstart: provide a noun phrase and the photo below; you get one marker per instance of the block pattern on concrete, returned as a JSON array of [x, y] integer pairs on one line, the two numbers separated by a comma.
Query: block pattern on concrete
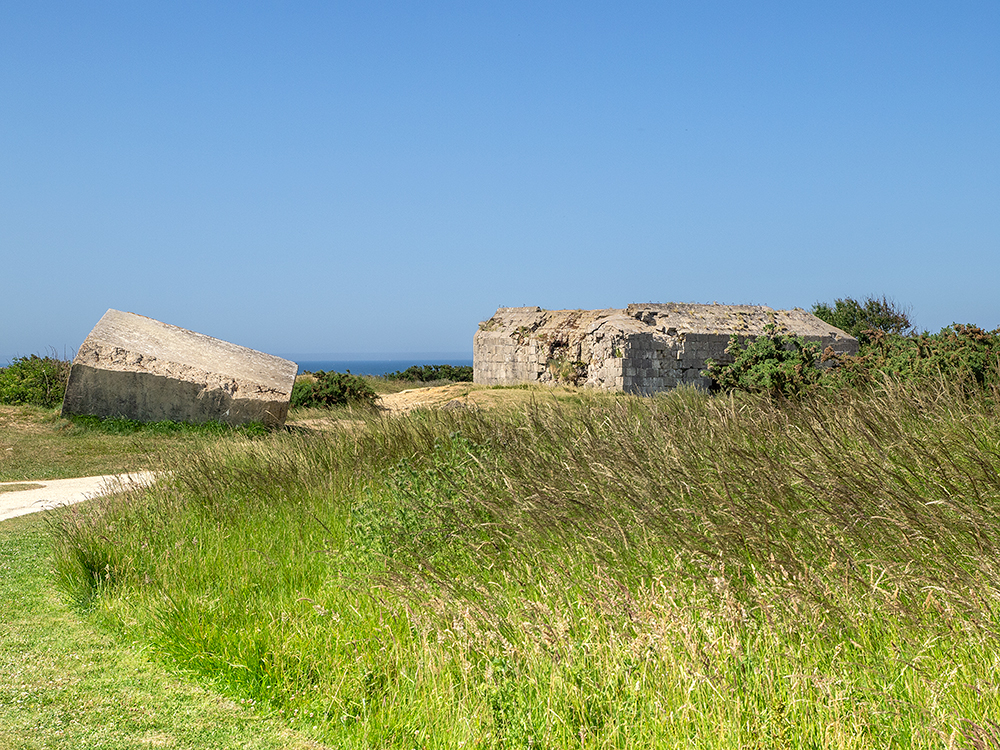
[[135, 367], [642, 349]]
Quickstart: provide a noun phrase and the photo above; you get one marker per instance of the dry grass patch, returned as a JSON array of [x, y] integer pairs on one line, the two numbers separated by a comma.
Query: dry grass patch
[[478, 396], [26, 419], [450, 396]]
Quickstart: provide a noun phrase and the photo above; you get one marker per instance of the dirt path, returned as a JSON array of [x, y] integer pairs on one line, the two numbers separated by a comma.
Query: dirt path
[[457, 394], [20, 498], [454, 396]]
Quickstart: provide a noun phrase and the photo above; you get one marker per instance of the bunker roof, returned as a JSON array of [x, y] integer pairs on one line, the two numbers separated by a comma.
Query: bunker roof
[[670, 318]]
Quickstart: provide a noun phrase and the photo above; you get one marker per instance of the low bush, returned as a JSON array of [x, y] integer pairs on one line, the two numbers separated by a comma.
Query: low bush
[[34, 380], [333, 389], [962, 354], [427, 373], [781, 365], [966, 356]]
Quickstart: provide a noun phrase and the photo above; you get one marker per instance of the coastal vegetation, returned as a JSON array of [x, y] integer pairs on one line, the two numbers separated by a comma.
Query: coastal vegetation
[[805, 561], [325, 389], [597, 571], [40, 381], [785, 366], [433, 373]]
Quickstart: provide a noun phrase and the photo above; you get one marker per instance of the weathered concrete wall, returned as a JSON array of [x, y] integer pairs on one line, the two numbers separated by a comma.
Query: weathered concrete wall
[[135, 367], [528, 344], [641, 349]]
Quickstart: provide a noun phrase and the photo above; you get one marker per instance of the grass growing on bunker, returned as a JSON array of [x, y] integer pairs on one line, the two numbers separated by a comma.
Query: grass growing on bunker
[[600, 572]]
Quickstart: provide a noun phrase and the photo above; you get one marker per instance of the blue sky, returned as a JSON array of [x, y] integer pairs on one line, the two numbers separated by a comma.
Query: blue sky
[[360, 178]]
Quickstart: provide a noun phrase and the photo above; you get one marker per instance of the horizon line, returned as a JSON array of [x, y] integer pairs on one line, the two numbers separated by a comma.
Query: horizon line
[[7, 359], [372, 356]]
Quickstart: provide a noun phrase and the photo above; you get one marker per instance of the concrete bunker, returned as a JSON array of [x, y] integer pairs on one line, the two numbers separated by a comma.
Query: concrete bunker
[[642, 349], [138, 368]]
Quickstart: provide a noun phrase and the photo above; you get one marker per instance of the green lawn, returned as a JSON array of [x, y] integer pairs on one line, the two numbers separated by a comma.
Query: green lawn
[[66, 684], [37, 443]]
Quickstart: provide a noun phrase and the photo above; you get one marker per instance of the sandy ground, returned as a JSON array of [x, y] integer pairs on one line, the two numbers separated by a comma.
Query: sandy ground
[[467, 395], [454, 396], [448, 396], [50, 493]]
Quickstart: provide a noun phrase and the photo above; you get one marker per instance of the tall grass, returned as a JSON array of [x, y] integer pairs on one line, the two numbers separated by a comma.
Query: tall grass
[[606, 572]]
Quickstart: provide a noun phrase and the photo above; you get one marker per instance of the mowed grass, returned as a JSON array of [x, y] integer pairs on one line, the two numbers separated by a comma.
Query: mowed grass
[[37, 443], [600, 571], [65, 684]]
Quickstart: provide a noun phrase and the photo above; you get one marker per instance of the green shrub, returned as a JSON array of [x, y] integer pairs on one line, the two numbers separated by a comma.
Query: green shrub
[[962, 354], [428, 373], [565, 370], [333, 389], [863, 319], [774, 363], [966, 356], [40, 381]]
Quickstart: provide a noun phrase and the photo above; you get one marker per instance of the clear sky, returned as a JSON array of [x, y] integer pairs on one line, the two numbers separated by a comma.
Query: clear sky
[[327, 178]]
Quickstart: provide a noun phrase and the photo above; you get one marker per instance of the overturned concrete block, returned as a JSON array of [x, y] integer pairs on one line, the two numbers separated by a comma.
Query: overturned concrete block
[[135, 367]]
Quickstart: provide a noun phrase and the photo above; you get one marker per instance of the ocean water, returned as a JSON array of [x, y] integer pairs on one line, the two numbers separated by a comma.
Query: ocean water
[[373, 366], [356, 366]]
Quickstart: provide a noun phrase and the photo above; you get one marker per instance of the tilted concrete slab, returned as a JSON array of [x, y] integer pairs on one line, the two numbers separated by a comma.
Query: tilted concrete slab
[[138, 368]]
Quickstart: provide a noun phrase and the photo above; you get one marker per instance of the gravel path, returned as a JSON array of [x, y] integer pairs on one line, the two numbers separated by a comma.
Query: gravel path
[[50, 493]]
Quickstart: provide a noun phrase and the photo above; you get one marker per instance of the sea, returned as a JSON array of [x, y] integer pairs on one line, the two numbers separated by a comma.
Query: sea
[[372, 366]]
